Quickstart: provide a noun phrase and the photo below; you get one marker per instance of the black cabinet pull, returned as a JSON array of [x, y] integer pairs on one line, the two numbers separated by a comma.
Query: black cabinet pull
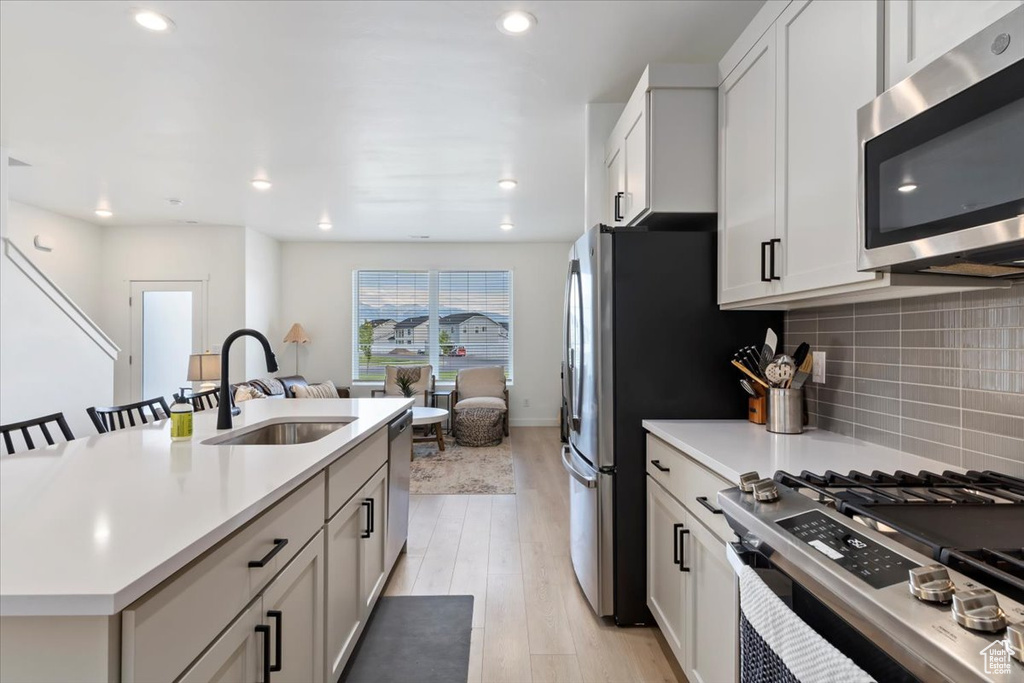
[[682, 548], [373, 515], [771, 266], [764, 262], [278, 544], [265, 630], [703, 500], [368, 504], [675, 543], [275, 614], [618, 205], [657, 464]]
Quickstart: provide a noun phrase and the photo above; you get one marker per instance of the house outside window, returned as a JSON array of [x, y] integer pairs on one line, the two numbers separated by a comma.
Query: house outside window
[[395, 311]]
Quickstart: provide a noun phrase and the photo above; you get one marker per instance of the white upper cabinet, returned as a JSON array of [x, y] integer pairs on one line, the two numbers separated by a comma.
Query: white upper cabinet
[[828, 67], [919, 31], [660, 157], [746, 216]]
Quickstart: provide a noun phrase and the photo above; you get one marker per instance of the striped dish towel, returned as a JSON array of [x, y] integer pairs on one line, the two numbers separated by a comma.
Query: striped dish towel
[[776, 646]]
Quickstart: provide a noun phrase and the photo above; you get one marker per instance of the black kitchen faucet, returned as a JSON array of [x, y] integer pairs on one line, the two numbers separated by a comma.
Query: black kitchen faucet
[[225, 410]]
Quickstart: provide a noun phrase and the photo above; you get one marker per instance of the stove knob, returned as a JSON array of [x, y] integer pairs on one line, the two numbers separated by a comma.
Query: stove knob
[[931, 584], [748, 480], [766, 491], [979, 610], [1015, 637]]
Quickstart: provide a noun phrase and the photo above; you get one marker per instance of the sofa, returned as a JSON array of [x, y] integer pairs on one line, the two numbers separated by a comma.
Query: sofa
[[281, 387]]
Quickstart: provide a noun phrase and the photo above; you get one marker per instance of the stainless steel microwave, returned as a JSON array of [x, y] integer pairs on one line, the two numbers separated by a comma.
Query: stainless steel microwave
[[942, 163]]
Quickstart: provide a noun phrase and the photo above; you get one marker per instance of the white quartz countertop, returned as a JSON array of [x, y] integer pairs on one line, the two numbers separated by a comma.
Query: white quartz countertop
[[732, 447], [89, 526]]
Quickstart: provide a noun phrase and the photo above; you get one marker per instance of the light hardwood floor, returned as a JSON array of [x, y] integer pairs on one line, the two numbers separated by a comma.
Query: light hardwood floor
[[531, 621]]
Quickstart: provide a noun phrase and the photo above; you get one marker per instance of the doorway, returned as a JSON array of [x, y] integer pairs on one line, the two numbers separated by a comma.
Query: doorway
[[168, 324]]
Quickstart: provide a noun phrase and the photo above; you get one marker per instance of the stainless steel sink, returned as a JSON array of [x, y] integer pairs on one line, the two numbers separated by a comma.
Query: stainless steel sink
[[282, 433]]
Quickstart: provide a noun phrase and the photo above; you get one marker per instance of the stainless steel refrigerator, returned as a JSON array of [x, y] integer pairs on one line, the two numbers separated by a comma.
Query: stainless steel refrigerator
[[643, 339]]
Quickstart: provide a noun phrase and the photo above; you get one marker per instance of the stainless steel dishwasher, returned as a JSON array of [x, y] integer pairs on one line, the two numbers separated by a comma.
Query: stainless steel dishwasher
[[399, 458]]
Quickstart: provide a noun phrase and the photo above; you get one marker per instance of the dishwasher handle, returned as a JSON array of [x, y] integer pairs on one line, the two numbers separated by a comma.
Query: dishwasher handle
[[567, 462]]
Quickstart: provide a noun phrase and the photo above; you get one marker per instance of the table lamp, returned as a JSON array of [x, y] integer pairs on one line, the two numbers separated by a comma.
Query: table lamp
[[205, 368]]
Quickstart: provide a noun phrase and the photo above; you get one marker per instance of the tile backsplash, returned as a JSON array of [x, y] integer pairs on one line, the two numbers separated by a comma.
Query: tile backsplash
[[939, 376]]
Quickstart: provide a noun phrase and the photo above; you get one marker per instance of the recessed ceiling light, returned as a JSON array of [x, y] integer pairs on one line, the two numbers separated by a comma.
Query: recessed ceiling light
[[324, 225], [507, 183], [261, 184], [152, 21], [516, 22], [907, 187], [104, 213], [506, 226]]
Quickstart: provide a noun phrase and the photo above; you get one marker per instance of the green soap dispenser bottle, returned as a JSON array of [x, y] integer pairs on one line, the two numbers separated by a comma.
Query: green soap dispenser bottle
[[181, 418]]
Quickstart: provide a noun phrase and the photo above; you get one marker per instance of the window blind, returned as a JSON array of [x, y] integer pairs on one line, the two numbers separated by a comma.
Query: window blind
[[449, 319]]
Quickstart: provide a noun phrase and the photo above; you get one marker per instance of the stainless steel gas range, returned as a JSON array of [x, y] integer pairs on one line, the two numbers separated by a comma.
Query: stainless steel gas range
[[910, 576]]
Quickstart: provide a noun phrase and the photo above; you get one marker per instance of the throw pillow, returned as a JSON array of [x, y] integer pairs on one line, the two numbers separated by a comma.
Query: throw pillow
[[246, 392], [269, 386], [323, 390]]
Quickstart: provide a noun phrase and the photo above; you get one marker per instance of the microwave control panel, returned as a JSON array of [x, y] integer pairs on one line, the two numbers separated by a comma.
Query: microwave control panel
[[875, 564]]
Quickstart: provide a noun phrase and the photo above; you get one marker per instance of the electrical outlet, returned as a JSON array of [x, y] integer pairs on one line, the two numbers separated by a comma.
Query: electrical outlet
[[526, 403], [818, 373]]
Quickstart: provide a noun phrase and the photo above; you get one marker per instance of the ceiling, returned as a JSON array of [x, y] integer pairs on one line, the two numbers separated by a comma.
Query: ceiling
[[389, 119]]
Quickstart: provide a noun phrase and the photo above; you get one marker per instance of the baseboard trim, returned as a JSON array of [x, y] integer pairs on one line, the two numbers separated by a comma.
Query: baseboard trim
[[534, 422]]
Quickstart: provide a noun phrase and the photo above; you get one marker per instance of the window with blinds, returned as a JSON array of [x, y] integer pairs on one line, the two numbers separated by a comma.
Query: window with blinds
[[449, 319]]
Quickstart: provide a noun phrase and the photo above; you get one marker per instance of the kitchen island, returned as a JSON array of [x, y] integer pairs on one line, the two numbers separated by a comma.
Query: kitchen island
[[104, 537]]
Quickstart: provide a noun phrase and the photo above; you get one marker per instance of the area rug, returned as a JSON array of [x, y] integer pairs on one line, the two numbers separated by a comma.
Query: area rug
[[414, 639], [462, 469]]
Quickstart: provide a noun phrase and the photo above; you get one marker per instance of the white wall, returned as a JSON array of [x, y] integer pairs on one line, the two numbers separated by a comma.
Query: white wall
[[263, 301], [74, 263], [47, 363], [317, 292], [211, 253]]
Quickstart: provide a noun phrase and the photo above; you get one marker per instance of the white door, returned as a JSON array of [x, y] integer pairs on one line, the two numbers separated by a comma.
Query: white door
[[713, 612], [746, 217], [293, 608], [616, 184], [919, 31], [345, 547], [168, 321], [828, 59], [636, 166], [372, 574], [237, 655], [667, 559]]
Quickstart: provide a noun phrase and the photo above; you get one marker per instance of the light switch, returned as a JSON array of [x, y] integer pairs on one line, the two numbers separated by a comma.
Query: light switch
[[818, 374]]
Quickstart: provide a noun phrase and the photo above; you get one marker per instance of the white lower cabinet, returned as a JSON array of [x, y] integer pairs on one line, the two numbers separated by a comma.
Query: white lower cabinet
[[293, 608], [355, 566], [235, 656], [666, 580], [713, 609], [691, 589], [288, 616]]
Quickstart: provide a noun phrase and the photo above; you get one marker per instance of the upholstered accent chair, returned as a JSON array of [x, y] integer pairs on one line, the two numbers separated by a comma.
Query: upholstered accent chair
[[477, 388], [423, 382]]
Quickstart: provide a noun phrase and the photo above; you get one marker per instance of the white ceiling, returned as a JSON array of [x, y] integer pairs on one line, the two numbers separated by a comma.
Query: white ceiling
[[389, 118]]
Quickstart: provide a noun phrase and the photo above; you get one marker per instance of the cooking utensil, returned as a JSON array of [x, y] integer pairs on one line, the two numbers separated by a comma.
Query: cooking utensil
[[780, 370], [803, 372], [742, 358], [768, 350], [746, 387], [801, 353], [753, 360], [743, 368]]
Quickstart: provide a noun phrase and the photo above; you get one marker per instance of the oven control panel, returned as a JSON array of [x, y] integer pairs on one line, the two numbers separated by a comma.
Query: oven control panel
[[875, 564]]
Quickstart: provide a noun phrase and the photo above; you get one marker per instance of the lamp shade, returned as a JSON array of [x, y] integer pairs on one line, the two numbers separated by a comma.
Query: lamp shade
[[296, 335], [204, 367]]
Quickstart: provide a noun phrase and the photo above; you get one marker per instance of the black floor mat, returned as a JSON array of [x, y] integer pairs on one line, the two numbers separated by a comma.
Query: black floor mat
[[414, 639]]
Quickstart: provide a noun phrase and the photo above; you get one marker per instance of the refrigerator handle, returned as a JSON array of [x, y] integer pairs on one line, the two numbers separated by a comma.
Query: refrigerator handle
[[571, 373], [570, 467]]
